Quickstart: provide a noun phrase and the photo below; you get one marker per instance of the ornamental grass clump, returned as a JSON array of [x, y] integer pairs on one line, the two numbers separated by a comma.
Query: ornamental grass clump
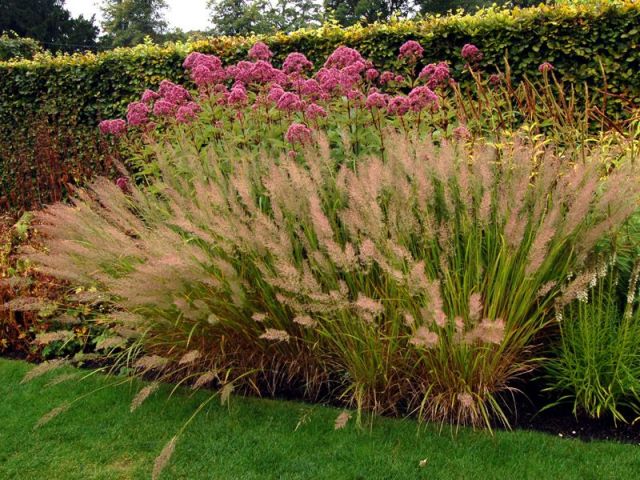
[[595, 365], [415, 281]]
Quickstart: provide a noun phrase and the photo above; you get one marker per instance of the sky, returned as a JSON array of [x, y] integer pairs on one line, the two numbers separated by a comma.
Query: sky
[[184, 14]]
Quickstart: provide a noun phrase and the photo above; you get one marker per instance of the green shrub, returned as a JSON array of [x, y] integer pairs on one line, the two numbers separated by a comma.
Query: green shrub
[[581, 41], [596, 364]]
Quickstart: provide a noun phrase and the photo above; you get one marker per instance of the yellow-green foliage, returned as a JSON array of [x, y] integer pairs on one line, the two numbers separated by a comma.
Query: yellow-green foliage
[[581, 41]]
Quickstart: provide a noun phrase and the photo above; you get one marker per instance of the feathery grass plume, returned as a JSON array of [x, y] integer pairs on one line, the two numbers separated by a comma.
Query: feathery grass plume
[[49, 337], [43, 368], [546, 288], [66, 319], [26, 304], [65, 377], [487, 331], [341, 420], [142, 395], [424, 338], [465, 399], [163, 459], [88, 297], [225, 393], [189, 357], [368, 305], [475, 306], [305, 321], [275, 335], [15, 282], [51, 415], [151, 362], [577, 288], [109, 343], [204, 379], [409, 320]]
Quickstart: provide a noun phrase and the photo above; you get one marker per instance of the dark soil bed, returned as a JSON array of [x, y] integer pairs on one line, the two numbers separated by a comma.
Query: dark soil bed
[[560, 420]]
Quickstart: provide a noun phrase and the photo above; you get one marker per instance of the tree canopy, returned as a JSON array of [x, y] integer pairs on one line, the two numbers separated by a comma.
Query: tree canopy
[[242, 17], [352, 11], [128, 22], [48, 22]]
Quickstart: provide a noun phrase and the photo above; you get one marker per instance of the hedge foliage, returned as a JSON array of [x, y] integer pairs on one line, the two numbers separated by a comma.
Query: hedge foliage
[[581, 41]]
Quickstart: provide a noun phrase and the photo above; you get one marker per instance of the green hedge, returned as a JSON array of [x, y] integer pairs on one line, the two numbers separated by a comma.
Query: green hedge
[[82, 89]]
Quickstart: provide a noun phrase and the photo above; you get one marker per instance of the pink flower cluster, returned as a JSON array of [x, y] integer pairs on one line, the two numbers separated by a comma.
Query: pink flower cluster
[[344, 57], [260, 72], [461, 133], [163, 108], [296, 63], [371, 74], [275, 92], [411, 51], [238, 97], [293, 89], [421, 98], [260, 51], [149, 96], [387, 77], [435, 74], [188, 112], [545, 67], [471, 53], [495, 80], [173, 93], [343, 74], [376, 100], [298, 133], [137, 114], [205, 69], [314, 111], [290, 102], [123, 183], [311, 89], [398, 106], [116, 127], [170, 98]]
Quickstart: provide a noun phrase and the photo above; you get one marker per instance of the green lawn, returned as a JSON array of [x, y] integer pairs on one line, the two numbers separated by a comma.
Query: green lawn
[[257, 439]]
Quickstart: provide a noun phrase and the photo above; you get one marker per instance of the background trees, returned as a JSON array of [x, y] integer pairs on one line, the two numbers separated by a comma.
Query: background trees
[[241, 17], [128, 22], [48, 22], [351, 11]]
